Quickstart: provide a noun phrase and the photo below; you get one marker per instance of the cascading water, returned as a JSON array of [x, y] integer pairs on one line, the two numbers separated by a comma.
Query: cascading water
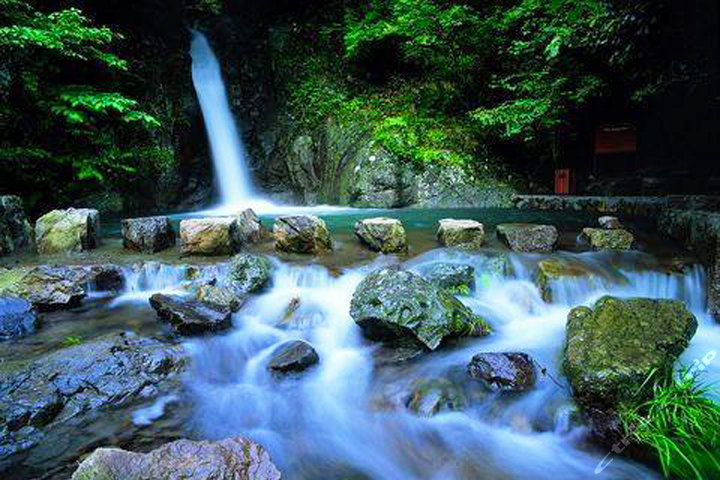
[[226, 146]]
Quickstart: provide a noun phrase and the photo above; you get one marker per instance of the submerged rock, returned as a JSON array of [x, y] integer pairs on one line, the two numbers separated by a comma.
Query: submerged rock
[[429, 397], [230, 459], [15, 230], [301, 234], [65, 231], [467, 234], [456, 279], [208, 236], [249, 228], [507, 372], [609, 223], [293, 356], [47, 288], [147, 234], [602, 239], [225, 298], [17, 317], [191, 317], [249, 273], [403, 309], [528, 237], [382, 234], [612, 348], [107, 372]]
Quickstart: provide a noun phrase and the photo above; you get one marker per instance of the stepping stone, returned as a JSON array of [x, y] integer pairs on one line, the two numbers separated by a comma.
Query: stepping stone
[[528, 237], [147, 234], [301, 234], [382, 234], [467, 234]]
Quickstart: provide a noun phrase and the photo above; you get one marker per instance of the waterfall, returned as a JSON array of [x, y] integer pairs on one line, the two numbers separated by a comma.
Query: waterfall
[[226, 147]]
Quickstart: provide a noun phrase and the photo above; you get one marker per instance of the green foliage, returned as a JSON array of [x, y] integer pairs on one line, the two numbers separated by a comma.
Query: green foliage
[[682, 425], [72, 340]]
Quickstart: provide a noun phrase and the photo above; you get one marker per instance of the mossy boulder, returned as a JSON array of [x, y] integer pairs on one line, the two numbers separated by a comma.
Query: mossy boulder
[[402, 309], [603, 239], [454, 278], [66, 231], [613, 347], [468, 234], [249, 273], [226, 298], [45, 287], [382, 234], [528, 237], [301, 234]]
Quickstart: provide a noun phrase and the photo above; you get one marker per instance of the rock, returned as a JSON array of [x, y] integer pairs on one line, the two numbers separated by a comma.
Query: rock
[[147, 234], [613, 348], [507, 372], [45, 287], [451, 186], [301, 234], [429, 397], [15, 230], [225, 298], [601, 239], [467, 234], [228, 459], [403, 309], [380, 180], [17, 317], [293, 356], [456, 279], [553, 269], [208, 236], [528, 237], [249, 228], [609, 223], [110, 371], [71, 230], [249, 273], [382, 234], [190, 317]]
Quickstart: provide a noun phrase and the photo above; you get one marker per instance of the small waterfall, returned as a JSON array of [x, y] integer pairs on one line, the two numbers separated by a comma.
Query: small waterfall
[[228, 151], [142, 280]]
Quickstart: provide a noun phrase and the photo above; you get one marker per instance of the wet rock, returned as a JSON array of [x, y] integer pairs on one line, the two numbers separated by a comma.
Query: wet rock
[[208, 236], [17, 317], [467, 234], [528, 237], [552, 269], [228, 459], [147, 234], [301, 234], [46, 393], [612, 348], [65, 231], [190, 317], [15, 230], [379, 180], [225, 298], [429, 397], [293, 356], [249, 228], [609, 223], [403, 309], [456, 279], [601, 239], [382, 234], [47, 288], [249, 273], [451, 186], [507, 372]]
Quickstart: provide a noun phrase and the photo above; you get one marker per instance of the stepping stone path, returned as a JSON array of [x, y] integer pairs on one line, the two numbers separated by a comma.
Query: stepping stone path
[[301, 234], [67, 231], [468, 234], [528, 237], [147, 234], [382, 234]]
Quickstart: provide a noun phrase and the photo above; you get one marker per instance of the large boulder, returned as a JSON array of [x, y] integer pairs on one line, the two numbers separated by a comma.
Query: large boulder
[[191, 317], [301, 234], [208, 236], [528, 237], [604, 239], [17, 317], [467, 234], [228, 459], [614, 347], [292, 356], [249, 273], [45, 287], [249, 229], [403, 309], [507, 372], [15, 230], [456, 279], [56, 388], [147, 234], [382, 234], [71, 230]]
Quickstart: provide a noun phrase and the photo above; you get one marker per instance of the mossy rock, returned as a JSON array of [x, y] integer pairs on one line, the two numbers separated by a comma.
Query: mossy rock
[[249, 273], [602, 239], [381, 234], [552, 269], [454, 278]]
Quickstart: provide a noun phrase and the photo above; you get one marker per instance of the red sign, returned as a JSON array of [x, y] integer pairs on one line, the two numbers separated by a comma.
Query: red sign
[[617, 138]]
